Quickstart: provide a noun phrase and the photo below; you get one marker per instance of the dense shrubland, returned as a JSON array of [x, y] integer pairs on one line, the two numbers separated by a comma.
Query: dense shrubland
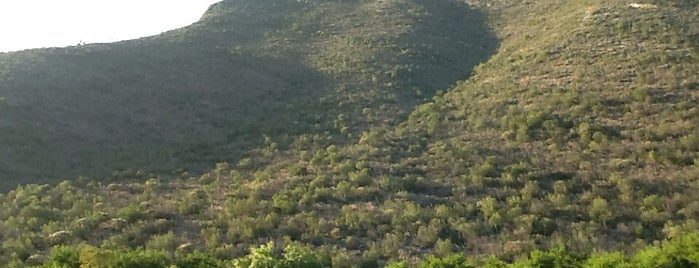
[[192, 97], [575, 145]]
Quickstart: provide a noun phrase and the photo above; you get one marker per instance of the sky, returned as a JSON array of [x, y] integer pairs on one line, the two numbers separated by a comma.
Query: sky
[[28, 24]]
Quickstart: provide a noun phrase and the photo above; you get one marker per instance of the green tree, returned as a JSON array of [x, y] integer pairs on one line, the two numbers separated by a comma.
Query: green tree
[[297, 256], [607, 260], [198, 259], [683, 251], [600, 211], [451, 261], [142, 259], [555, 258], [259, 257], [400, 264], [92, 257], [64, 257]]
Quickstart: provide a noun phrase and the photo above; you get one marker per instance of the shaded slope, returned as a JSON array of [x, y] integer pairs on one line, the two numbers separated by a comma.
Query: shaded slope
[[192, 97], [107, 109]]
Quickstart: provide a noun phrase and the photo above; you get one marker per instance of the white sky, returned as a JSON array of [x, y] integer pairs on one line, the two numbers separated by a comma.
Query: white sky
[[28, 24]]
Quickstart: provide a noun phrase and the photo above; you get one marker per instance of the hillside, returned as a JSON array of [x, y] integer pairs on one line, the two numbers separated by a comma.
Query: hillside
[[577, 135], [207, 93]]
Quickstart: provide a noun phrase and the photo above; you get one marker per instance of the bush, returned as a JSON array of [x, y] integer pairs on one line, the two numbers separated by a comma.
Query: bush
[[198, 260], [557, 258], [142, 259], [452, 261], [64, 257]]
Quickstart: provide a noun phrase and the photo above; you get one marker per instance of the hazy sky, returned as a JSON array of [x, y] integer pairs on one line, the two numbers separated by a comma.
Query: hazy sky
[[50, 23]]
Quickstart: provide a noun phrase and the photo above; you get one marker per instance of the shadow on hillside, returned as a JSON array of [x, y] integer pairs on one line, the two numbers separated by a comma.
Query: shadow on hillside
[[163, 108], [452, 41], [169, 106]]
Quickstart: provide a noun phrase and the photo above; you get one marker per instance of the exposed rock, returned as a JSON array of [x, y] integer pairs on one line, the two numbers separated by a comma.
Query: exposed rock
[[35, 260], [643, 6], [59, 237]]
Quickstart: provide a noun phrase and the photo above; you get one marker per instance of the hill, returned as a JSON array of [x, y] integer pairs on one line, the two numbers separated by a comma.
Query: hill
[[207, 93], [578, 134]]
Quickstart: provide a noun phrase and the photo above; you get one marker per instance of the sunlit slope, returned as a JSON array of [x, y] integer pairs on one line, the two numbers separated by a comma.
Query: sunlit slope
[[206, 93], [581, 131]]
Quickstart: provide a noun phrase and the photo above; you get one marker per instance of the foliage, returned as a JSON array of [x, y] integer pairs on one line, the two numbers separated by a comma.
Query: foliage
[[246, 74], [293, 256], [63, 257], [679, 252], [199, 259], [573, 145]]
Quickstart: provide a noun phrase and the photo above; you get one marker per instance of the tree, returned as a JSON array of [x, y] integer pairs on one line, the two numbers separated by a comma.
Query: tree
[[64, 257], [607, 260], [92, 257], [260, 257], [451, 261], [555, 258], [600, 211], [297, 256], [490, 209], [141, 259], [198, 260]]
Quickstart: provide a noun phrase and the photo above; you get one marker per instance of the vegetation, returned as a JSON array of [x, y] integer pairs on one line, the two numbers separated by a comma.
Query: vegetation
[[679, 252], [208, 93], [572, 145]]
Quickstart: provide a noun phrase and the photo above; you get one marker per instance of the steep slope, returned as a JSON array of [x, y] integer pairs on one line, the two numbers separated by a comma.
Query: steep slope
[[579, 133], [189, 98]]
